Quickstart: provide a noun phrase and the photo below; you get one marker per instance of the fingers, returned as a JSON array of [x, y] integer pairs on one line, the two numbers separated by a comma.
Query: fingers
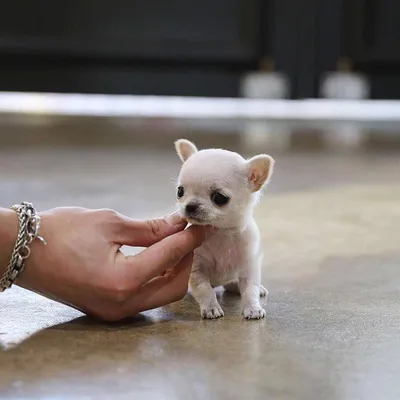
[[162, 290], [144, 233], [161, 256]]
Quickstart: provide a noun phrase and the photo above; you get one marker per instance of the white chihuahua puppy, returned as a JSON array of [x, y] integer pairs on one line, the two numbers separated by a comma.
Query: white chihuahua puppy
[[220, 188]]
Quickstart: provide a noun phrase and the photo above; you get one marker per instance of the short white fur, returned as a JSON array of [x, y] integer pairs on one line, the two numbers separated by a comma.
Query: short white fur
[[230, 256]]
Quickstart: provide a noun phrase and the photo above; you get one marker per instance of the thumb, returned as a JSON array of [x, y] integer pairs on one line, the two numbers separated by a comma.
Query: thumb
[[167, 253], [144, 233]]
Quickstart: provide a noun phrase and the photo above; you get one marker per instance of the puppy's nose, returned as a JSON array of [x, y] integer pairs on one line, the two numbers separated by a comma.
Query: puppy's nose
[[191, 208]]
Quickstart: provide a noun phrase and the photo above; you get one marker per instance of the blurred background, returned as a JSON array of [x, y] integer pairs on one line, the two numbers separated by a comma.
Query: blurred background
[[97, 87], [92, 96]]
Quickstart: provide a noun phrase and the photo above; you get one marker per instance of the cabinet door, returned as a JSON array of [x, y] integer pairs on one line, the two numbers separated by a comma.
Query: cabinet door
[[371, 39], [372, 33], [174, 30]]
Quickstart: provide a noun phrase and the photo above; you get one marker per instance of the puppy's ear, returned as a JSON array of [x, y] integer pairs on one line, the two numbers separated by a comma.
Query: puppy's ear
[[185, 149], [259, 171]]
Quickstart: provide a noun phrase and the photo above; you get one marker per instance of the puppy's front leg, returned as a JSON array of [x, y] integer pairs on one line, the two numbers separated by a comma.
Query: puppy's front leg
[[249, 286], [205, 295]]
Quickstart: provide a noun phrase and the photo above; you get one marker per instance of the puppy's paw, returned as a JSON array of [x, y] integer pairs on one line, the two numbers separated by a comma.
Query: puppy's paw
[[254, 312], [263, 291], [211, 312]]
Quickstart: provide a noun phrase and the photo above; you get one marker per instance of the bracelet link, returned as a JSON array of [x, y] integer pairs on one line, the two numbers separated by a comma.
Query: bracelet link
[[29, 226]]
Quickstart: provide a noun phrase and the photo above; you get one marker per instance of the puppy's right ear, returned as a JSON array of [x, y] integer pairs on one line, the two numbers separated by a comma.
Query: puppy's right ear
[[185, 149]]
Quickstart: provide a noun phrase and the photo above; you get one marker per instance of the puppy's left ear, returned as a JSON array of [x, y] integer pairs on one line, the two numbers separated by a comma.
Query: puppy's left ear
[[185, 149], [259, 171]]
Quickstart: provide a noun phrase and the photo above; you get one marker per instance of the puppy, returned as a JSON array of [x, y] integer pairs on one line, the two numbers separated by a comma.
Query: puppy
[[220, 188]]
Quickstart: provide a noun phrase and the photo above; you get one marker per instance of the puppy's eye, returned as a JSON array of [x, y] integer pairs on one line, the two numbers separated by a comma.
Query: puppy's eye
[[180, 192], [219, 199]]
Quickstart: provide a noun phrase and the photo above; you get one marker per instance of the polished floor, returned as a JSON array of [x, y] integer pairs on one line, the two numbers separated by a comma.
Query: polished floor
[[330, 229]]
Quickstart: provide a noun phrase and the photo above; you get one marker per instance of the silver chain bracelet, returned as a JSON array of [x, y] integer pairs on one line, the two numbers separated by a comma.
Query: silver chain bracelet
[[29, 226]]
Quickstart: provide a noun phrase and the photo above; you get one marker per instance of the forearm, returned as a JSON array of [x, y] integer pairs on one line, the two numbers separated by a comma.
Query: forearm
[[8, 235]]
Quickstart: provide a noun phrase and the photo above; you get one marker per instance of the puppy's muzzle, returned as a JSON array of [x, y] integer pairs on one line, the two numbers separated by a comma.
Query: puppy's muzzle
[[192, 209]]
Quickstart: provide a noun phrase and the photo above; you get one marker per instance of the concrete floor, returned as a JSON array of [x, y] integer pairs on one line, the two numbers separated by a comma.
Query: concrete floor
[[330, 229]]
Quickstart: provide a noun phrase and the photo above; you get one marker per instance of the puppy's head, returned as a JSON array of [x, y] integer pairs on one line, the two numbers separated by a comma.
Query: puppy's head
[[218, 187]]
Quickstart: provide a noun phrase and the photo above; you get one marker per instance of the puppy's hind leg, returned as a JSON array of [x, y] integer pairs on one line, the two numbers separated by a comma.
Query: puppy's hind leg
[[263, 291], [233, 287]]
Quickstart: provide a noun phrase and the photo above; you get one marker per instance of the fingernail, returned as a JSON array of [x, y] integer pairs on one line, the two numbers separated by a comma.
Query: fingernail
[[175, 219]]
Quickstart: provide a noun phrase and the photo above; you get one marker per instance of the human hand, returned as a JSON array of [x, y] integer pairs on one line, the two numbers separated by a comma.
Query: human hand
[[83, 267]]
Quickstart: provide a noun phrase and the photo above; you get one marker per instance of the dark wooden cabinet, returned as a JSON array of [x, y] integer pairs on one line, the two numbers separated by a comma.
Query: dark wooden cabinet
[[371, 39], [372, 31], [187, 48], [218, 30], [129, 46]]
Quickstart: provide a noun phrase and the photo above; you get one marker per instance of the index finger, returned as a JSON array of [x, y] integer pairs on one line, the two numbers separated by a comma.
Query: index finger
[[165, 254], [161, 290]]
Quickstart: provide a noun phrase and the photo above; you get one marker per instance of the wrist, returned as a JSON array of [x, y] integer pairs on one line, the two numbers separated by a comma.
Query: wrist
[[8, 236]]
